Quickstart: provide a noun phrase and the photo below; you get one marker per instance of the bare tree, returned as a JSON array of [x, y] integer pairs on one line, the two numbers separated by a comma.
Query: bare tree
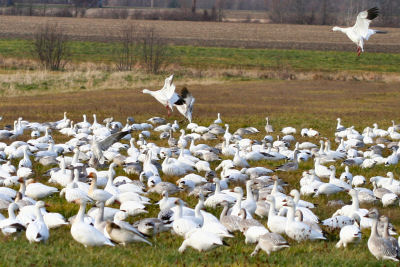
[[51, 46], [126, 52], [194, 4], [153, 50]]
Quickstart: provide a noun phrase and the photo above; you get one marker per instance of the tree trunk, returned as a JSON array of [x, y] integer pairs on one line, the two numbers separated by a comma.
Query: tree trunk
[[194, 4]]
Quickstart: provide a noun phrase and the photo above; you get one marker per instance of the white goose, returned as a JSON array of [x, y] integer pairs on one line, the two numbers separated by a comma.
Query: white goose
[[37, 230], [201, 240], [350, 233], [86, 234], [360, 32], [168, 98], [298, 230], [11, 224]]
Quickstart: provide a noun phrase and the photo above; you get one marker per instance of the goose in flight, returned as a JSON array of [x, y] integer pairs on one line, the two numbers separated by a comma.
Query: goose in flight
[[360, 32], [168, 98]]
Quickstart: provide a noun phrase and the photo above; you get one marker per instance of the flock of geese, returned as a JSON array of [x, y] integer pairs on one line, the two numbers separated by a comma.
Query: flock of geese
[[254, 199]]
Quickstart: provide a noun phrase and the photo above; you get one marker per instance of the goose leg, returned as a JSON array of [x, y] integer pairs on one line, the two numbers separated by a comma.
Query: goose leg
[[255, 251], [358, 51], [168, 110]]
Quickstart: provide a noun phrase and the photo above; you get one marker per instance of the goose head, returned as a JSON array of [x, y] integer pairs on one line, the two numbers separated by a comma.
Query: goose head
[[336, 29], [40, 204], [373, 214], [146, 91]]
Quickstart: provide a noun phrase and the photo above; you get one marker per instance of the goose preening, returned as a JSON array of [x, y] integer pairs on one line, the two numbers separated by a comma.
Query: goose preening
[[361, 32], [168, 98]]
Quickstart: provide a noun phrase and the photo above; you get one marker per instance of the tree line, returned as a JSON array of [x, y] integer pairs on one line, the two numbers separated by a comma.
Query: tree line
[[318, 12]]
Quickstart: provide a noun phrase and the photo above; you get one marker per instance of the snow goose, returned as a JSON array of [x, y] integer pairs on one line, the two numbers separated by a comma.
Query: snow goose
[[333, 180], [321, 170], [360, 32], [86, 234], [386, 235], [247, 222], [252, 233], [290, 166], [275, 223], [11, 225], [218, 120], [298, 230], [37, 230], [350, 233], [249, 203], [379, 247], [201, 240], [270, 242], [37, 190], [231, 222], [268, 127], [95, 193], [218, 197], [122, 235], [184, 224]]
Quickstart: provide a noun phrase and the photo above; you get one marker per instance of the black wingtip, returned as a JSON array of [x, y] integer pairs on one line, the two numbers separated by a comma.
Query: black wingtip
[[184, 92], [224, 243], [372, 13]]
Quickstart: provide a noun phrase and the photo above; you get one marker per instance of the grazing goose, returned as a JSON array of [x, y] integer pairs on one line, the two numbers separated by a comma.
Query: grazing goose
[[360, 32], [380, 247], [270, 242], [201, 240], [37, 230], [123, 235]]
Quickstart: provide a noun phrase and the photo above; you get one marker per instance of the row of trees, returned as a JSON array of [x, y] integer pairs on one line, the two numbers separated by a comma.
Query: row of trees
[[327, 12], [278, 11], [134, 46]]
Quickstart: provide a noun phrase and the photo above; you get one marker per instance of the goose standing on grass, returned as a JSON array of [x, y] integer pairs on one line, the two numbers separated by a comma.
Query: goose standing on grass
[[270, 242], [380, 247], [350, 233], [201, 240], [299, 230], [268, 127], [84, 233], [37, 231], [360, 32]]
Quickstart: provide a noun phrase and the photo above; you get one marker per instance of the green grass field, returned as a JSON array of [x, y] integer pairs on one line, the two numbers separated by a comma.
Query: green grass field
[[214, 58]]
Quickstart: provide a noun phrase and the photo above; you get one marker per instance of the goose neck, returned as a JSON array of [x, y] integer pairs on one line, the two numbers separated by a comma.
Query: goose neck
[[81, 212]]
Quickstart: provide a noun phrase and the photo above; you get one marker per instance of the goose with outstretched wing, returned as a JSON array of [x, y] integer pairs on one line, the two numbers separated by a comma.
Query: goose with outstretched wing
[[361, 32], [169, 98]]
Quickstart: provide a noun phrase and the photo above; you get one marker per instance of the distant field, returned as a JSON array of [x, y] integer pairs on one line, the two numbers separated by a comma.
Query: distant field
[[246, 35]]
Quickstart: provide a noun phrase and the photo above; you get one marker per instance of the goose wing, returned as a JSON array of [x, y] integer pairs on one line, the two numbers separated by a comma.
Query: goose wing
[[110, 140], [169, 91], [364, 18]]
